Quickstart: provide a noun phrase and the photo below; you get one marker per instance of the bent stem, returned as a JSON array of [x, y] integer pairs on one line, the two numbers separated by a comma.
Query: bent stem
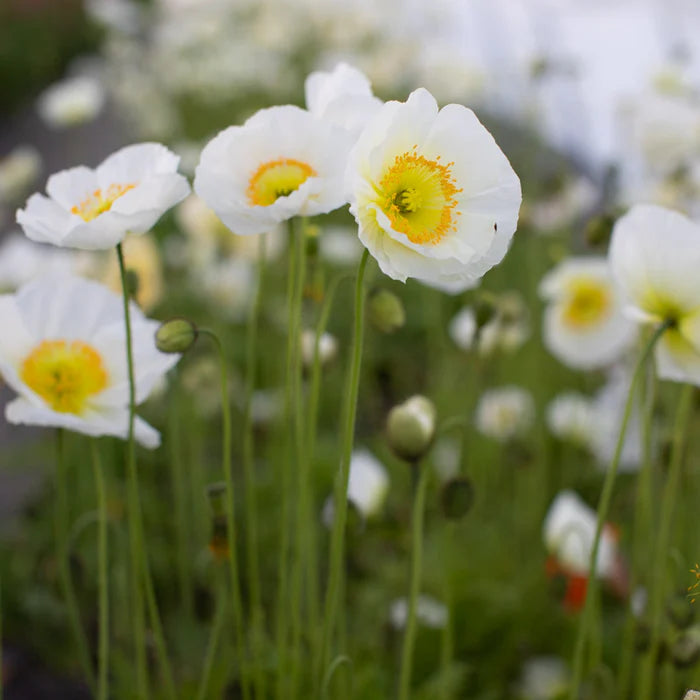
[[420, 481], [102, 578], [662, 542], [230, 511], [603, 508], [140, 569], [63, 551], [340, 503]]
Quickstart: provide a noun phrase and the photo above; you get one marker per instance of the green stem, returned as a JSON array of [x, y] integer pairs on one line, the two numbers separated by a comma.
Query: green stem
[[420, 488], [213, 645], [340, 502], [603, 508], [660, 567], [63, 551], [140, 569], [230, 512], [447, 641], [251, 507], [102, 578]]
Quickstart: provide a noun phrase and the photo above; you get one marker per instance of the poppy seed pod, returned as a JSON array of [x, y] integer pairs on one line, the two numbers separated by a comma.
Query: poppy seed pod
[[386, 312], [411, 428], [176, 336]]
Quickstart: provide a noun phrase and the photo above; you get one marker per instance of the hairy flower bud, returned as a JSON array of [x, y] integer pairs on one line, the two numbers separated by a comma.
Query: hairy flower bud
[[411, 428], [386, 312], [176, 336]]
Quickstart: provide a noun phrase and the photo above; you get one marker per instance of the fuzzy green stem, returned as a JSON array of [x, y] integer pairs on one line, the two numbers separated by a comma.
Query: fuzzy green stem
[[340, 502], [102, 577], [420, 488], [668, 503], [603, 508], [230, 511], [63, 552]]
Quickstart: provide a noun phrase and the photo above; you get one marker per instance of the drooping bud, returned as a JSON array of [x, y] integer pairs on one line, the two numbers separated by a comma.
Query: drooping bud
[[411, 428], [385, 311], [218, 541], [177, 335], [457, 497]]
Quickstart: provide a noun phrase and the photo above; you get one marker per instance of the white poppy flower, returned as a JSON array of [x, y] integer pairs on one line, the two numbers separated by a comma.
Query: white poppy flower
[[19, 170], [63, 351], [95, 209], [342, 96], [505, 413], [429, 612], [572, 417], [71, 102], [584, 324], [569, 530], [655, 258], [434, 196], [281, 163]]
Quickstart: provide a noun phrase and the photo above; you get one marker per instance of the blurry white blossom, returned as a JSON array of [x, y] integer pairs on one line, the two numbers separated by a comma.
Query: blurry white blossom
[[429, 612], [542, 678], [327, 347], [339, 245], [505, 413], [22, 261], [71, 102], [19, 170], [572, 417]]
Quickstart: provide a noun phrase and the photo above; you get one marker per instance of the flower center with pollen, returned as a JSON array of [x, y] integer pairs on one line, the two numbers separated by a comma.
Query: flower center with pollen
[[64, 373], [100, 201], [589, 302], [419, 197], [277, 178]]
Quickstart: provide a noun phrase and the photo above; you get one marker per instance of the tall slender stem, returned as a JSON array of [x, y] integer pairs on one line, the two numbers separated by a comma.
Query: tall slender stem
[[340, 503], [102, 578], [251, 507], [63, 552], [658, 582], [603, 507], [420, 488], [140, 569], [219, 619]]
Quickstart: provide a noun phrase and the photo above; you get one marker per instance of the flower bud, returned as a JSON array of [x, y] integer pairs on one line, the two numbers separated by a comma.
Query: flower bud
[[132, 283], [457, 497], [216, 493], [386, 312], [411, 428], [176, 335], [685, 650], [218, 541], [692, 695]]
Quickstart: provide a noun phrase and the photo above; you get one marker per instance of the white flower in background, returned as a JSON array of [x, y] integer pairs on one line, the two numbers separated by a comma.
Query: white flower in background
[[557, 211], [71, 102], [342, 96], [434, 196], [19, 170], [22, 261], [63, 351], [118, 15], [572, 417], [542, 678], [95, 209], [429, 612], [282, 162], [655, 257], [505, 413], [584, 324], [462, 328], [209, 240], [569, 530], [229, 285], [608, 406], [367, 488], [327, 347], [339, 245]]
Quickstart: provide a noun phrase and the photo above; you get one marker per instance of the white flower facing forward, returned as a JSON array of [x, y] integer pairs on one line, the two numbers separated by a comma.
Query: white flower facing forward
[[569, 530], [584, 324], [62, 352], [505, 413], [434, 196], [95, 209], [655, 258], [342, 96], [281, 163]]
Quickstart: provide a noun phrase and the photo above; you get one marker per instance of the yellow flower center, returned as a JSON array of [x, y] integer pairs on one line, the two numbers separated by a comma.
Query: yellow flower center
[[589, 302], [99, 202], [419, 197], [64, 373], [277, 178]]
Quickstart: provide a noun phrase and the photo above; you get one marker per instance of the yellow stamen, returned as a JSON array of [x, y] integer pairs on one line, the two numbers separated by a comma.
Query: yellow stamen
[[277, 178], [589, 302], [419, 197], [99, 202], [64, 373]]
